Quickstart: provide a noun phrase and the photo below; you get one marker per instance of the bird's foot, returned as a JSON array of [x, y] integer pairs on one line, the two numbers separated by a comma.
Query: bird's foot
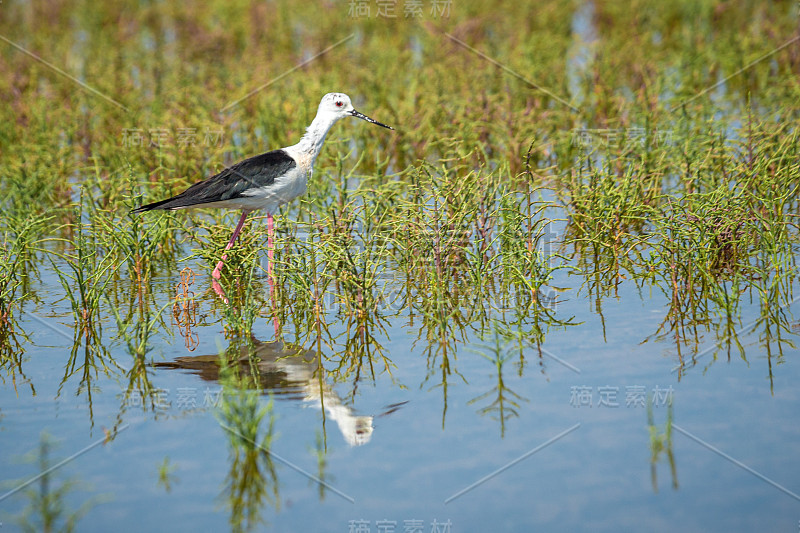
[[216, 275], [218, 289]]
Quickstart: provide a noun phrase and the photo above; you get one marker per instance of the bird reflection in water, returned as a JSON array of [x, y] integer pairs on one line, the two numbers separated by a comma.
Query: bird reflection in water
[[289, 372]]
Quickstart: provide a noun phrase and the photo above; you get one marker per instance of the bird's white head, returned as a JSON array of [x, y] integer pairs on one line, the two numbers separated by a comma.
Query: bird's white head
[[337, 105]]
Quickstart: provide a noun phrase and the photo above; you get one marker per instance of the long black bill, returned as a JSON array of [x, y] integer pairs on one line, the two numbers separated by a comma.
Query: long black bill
[[365, 117]]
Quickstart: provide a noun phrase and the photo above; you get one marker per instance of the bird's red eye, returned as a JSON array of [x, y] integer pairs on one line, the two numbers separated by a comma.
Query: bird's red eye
[[339, 103]]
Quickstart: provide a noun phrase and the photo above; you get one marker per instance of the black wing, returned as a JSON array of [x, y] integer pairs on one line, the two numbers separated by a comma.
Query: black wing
[[254, 172]]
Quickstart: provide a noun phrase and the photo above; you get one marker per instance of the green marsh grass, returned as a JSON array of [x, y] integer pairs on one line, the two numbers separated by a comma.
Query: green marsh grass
[[505, 403], [22, 238], [661, 444], [166, 475], [252, 479], [651, 173]]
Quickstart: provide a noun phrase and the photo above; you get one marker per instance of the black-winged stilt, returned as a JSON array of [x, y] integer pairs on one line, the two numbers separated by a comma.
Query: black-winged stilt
[[265, 181]]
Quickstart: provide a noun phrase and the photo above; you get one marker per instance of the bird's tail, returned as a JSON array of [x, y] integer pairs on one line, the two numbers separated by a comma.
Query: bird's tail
[[150, 207]]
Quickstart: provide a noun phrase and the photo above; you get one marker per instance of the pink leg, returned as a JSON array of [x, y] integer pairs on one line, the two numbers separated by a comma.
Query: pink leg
[[270, 270], [270, 235], [217, 274]]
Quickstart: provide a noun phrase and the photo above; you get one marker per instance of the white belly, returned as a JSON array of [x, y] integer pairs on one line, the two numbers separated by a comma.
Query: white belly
[[282, 191]]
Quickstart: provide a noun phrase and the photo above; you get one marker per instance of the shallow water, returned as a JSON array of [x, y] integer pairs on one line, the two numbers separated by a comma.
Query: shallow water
[[572, 450]]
